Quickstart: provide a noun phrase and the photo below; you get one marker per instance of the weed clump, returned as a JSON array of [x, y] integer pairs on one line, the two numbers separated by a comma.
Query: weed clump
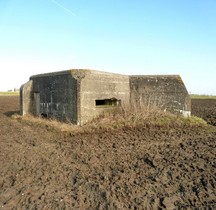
[[121, 118], [148, 118]]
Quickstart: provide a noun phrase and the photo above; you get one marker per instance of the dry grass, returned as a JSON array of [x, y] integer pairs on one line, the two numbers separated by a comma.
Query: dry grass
[[51, 124], [150, 118], [122, 118]]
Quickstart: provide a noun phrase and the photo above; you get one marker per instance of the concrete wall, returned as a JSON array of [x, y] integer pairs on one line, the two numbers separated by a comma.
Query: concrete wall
[[56, 95], [165, 92], [100, 92], [78, 96], [26, 99]]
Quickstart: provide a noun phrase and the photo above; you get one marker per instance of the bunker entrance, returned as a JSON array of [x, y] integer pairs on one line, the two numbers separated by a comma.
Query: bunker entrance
[[107, 102], [44, 115]]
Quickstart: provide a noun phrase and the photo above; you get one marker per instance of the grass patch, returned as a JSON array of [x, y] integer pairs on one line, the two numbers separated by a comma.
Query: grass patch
[[120, 119], [197, 121], [151, 119], [195, 96], [9, 93], [49, 124]]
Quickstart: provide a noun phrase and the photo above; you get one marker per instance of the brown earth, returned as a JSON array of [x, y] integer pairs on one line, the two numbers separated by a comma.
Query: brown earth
[[206, 109], [129, 168]]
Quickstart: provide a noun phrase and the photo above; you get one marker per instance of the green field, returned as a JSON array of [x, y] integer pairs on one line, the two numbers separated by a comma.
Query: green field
[[9, 93], [195, 96]]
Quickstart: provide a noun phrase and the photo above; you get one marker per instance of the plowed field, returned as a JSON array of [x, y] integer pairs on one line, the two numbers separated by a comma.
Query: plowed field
[[137, 168], [206, 109]]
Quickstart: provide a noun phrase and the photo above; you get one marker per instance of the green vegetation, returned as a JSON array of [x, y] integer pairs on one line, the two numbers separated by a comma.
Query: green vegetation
[[196, 96], [9, 93]]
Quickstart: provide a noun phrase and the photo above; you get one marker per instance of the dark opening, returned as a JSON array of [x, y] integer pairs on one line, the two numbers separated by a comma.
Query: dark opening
[[44, 115], [107, 102]]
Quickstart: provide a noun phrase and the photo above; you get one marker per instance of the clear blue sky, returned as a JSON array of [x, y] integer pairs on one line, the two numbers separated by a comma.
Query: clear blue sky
[[119, 36]]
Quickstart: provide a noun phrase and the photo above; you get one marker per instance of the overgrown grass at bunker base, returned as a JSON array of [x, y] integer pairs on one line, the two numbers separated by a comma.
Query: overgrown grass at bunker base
[[121, 119]]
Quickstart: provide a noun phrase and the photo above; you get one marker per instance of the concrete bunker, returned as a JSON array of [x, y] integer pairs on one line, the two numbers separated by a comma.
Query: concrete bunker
[[166, 92], [79, 95]]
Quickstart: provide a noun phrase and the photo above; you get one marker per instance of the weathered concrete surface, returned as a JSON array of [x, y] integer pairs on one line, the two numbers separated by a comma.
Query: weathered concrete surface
[[57, 95], [106, 87], [26, 105], [79, 95], [72, 95], [166, 92]]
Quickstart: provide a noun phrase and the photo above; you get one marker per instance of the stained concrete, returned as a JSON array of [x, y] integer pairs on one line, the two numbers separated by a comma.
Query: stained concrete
[[166, 92], [26, 98], [101, 86], [79, 95]]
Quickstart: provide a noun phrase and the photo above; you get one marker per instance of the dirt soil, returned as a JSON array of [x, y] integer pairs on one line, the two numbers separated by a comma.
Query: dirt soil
[[206, 109], [139, 168]]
